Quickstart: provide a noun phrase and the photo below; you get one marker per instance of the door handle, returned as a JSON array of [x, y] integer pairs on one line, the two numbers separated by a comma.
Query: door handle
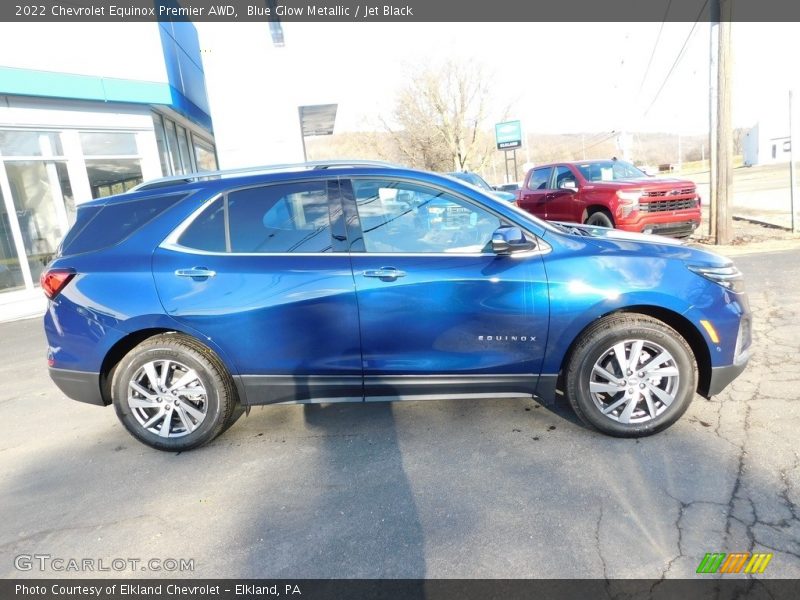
[[384, 273], [195, 273]]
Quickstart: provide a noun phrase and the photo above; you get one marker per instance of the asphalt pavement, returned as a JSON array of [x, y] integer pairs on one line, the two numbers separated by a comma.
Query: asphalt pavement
[[496, 488]]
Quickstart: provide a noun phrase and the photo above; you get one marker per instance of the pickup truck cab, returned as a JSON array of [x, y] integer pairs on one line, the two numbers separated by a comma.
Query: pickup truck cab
[[611, 193]]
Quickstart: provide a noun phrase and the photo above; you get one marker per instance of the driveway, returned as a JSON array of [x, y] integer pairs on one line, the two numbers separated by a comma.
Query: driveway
[[502, 488]]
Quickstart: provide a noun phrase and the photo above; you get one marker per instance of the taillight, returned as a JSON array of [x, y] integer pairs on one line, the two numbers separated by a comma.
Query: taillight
[[54, 280]]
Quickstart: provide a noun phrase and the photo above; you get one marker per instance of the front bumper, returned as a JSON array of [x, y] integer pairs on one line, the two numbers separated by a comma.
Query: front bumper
[[721, 377], [675, 224], [681, 229], [79, 385]]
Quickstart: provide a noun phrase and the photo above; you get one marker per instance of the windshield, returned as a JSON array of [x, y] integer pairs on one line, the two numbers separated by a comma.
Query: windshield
[[474, 179], [609, 170]]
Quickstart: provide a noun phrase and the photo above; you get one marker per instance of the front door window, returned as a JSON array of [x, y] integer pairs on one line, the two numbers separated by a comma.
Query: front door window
[[399, 217]]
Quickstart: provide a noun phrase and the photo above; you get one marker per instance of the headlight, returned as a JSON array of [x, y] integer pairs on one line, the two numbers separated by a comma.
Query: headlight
[[629, 196], [629, 202], [728, 277]]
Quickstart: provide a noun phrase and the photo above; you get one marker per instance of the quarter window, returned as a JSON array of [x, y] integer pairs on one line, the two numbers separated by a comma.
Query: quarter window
[[398, 217]]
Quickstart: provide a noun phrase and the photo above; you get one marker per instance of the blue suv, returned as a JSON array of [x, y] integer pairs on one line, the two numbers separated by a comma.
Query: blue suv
[[190, 299]]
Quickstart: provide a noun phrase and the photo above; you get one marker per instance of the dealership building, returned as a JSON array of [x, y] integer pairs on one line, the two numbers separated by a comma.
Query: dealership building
[[87, 112]]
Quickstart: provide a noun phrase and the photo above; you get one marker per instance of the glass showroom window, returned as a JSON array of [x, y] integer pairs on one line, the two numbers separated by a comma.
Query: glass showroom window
[[175, 148], [11, 277], [112, 162], [37, 193], [205, 154], [183, 146], [35, 204], [161, 142]]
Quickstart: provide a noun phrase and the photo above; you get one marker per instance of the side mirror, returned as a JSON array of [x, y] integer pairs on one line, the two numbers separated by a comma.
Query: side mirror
[[507, 196], [568, 184], [507, 240]]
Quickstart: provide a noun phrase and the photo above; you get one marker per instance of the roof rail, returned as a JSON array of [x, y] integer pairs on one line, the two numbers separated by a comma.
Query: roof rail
[[205, 175]]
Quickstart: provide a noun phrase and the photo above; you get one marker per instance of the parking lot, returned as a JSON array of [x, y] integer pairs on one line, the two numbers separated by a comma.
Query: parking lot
[[502, 488]]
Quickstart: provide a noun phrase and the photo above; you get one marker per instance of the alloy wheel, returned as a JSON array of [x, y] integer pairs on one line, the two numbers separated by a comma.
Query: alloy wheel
[[167, 398], [634, 381]]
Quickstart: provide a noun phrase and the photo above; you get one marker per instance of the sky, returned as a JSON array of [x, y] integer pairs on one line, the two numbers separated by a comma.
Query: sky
[[557, 77]]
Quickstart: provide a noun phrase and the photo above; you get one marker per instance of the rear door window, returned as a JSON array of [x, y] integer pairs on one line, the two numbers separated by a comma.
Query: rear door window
[[207, 231], [282, 218], [540, 178]]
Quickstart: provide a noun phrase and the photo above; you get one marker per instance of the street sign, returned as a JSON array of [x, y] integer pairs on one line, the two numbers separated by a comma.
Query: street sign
[[508, 135]]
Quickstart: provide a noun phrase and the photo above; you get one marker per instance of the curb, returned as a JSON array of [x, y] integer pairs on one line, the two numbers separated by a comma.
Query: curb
[[754, 248], [760, 222]]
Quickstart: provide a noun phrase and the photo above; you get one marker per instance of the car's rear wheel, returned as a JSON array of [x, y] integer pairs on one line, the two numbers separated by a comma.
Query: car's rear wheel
[[172, 393], [630, 376], [600, 218]]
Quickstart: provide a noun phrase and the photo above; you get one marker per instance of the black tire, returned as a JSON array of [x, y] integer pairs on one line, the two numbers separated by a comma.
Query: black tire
[[600, 218], [596, 348], [220, 401]]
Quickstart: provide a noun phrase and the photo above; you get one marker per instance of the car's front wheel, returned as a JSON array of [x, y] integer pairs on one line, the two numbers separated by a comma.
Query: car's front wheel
[[600, 218], [630, 375], [172, 393]]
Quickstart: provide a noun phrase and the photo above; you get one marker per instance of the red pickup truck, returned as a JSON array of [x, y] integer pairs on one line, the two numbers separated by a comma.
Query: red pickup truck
[[611, 193]]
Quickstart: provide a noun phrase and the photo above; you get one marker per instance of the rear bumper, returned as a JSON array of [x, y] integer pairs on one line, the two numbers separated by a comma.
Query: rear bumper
[[78, 385]]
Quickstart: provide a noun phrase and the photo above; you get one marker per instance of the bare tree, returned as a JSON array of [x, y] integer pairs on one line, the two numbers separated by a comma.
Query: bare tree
[[440, 115]]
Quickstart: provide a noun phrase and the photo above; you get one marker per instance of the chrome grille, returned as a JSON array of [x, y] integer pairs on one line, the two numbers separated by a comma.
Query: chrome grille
[[667, 205], [675, 192]]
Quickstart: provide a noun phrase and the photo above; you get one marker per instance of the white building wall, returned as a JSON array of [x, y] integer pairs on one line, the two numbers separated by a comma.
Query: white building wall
[[120, 50], [750, 149], [254, 91], [252, 95]]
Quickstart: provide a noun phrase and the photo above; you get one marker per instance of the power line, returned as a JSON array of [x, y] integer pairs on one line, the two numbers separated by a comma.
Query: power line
[[603, 141], [655, 46], [592, 138], [677, 58]]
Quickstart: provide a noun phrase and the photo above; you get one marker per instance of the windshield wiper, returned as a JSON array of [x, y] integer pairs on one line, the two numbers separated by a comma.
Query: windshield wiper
[[569, 228]]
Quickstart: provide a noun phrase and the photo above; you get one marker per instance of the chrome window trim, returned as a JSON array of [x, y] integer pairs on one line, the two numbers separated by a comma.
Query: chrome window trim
[[171, 241], [172, 238]]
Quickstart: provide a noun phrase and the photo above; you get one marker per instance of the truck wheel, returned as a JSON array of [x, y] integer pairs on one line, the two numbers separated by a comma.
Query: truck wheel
[[630, 375], [600, 218], [172, 393]]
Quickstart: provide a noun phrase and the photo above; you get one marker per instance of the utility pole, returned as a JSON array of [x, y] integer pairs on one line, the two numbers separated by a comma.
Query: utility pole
[[712, 119], [791, 166], [680, 154], [724, 140]]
